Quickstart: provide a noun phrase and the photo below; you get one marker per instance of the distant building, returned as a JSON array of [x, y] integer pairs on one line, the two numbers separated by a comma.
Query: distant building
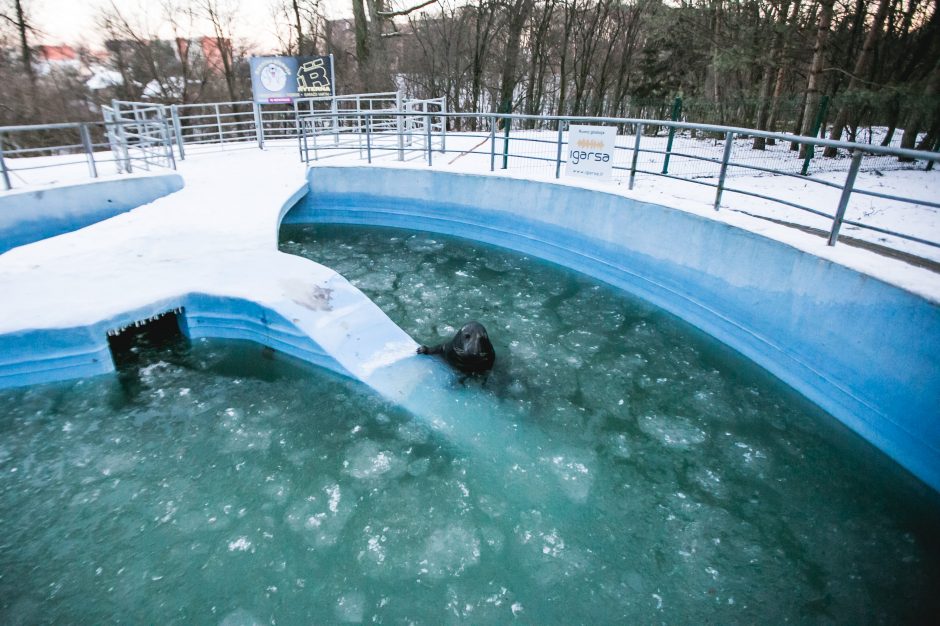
[[208, 48], [56, 57]]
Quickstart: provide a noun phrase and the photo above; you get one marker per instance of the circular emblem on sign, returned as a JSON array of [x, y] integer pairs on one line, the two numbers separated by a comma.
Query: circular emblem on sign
[[273, 76]]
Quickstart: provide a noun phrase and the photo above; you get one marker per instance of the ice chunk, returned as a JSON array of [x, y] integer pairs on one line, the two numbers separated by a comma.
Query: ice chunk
[[321, 517], [573, 473], [449, 551], [240, 617], [673, 432], [350, 607], [367, 461], [618, 445]]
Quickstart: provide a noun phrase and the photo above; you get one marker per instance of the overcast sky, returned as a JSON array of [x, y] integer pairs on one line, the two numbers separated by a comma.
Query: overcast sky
[[73, 21]]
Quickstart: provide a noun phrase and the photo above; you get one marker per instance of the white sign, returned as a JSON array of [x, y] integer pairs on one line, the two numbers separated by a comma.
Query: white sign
[[591, 152]]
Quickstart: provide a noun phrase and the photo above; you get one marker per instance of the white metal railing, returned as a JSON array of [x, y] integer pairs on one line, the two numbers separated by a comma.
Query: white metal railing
[[635, 155], [138, 134], [368, 126]]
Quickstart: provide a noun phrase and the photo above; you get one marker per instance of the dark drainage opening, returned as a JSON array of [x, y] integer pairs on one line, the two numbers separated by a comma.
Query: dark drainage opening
[[159, 338]]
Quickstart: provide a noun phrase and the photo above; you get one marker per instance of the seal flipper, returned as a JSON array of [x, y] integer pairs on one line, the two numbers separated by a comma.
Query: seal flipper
[[438, 349]]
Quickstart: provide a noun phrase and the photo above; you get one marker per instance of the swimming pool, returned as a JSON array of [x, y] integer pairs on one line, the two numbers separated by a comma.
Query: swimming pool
[[228, 484]]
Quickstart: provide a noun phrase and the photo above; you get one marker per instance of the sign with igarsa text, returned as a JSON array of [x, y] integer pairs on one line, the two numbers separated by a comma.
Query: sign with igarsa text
[[591, 152]]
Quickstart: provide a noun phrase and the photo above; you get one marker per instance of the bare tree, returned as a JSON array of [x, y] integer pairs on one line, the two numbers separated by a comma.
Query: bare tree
[[816, 66], [518, 13], [860, 68], [221, 16], [23, 27]]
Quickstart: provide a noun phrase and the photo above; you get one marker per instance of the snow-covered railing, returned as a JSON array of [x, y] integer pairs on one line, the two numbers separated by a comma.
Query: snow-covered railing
[[26, 149], [139, 133], [702, 154], [824, 190], [397, 127]]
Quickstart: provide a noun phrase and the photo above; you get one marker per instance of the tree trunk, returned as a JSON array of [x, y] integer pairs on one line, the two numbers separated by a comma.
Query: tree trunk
[[917, 119], [815, 70], [22, 27], [362, 39], [716, 32], [781, 75], [763, 113], [300, 30], [570, 16], [860, 64], [519, 14]]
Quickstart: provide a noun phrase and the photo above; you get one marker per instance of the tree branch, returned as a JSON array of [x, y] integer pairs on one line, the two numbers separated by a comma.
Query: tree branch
[[405, 11]]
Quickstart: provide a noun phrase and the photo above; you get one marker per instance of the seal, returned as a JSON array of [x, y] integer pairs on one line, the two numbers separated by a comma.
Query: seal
[[470, 351]]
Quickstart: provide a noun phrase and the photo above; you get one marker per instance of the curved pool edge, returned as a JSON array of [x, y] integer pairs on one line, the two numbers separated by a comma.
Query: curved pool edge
[[259, 294], [859, 348], [32, 215]]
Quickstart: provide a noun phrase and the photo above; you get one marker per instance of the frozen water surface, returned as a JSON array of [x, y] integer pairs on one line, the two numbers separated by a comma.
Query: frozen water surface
[[216, 486]]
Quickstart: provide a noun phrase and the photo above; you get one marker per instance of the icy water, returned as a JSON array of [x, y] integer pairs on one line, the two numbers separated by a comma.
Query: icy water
[[220, 484]]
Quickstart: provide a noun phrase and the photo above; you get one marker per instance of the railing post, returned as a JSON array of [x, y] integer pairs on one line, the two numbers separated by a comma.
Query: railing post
[[561, 127], [369, 138], [398, 126], [89, 153], [359, 125], [218, 123], [259, 126], [167, 139], [297, 129], [314, 133], [820, 116], [676, 110], [128, 168], [636, 153], [304, 145], [334, 109], [507, 125], [178, 130], [427, 128], [846, 193], [729, 141], [492, 143], [443, 125], [3, 167]]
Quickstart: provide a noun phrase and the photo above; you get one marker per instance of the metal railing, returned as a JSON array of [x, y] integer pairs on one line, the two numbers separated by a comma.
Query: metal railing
[[29, 148], [139, 132], [138, 135], [404, 129], [714, 158]]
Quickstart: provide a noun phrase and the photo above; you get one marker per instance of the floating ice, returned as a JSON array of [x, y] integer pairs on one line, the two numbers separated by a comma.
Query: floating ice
[[320, 518], [240, 617], [350, 607], [574, 475], [673, 432], [449, 551], [367, 461]]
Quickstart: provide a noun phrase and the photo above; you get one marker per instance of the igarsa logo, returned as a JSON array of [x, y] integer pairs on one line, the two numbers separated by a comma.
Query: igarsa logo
[[591, 151], [576, 156]]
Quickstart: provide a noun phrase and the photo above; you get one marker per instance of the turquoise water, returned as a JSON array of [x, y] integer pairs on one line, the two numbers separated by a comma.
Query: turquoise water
[[217, 483]]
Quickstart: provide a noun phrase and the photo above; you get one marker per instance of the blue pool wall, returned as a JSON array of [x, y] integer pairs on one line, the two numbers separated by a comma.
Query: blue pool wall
[[28, 216], [863, 350], [47, 355]]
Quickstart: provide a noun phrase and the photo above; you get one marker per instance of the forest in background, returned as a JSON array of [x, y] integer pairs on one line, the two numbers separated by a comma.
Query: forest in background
[[781, 65]]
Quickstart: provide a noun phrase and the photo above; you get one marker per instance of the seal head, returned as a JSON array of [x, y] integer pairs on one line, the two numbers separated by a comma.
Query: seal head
[[470, 351]]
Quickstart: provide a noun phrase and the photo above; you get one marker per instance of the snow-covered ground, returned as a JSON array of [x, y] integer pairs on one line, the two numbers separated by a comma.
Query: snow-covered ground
[[223, 188]]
